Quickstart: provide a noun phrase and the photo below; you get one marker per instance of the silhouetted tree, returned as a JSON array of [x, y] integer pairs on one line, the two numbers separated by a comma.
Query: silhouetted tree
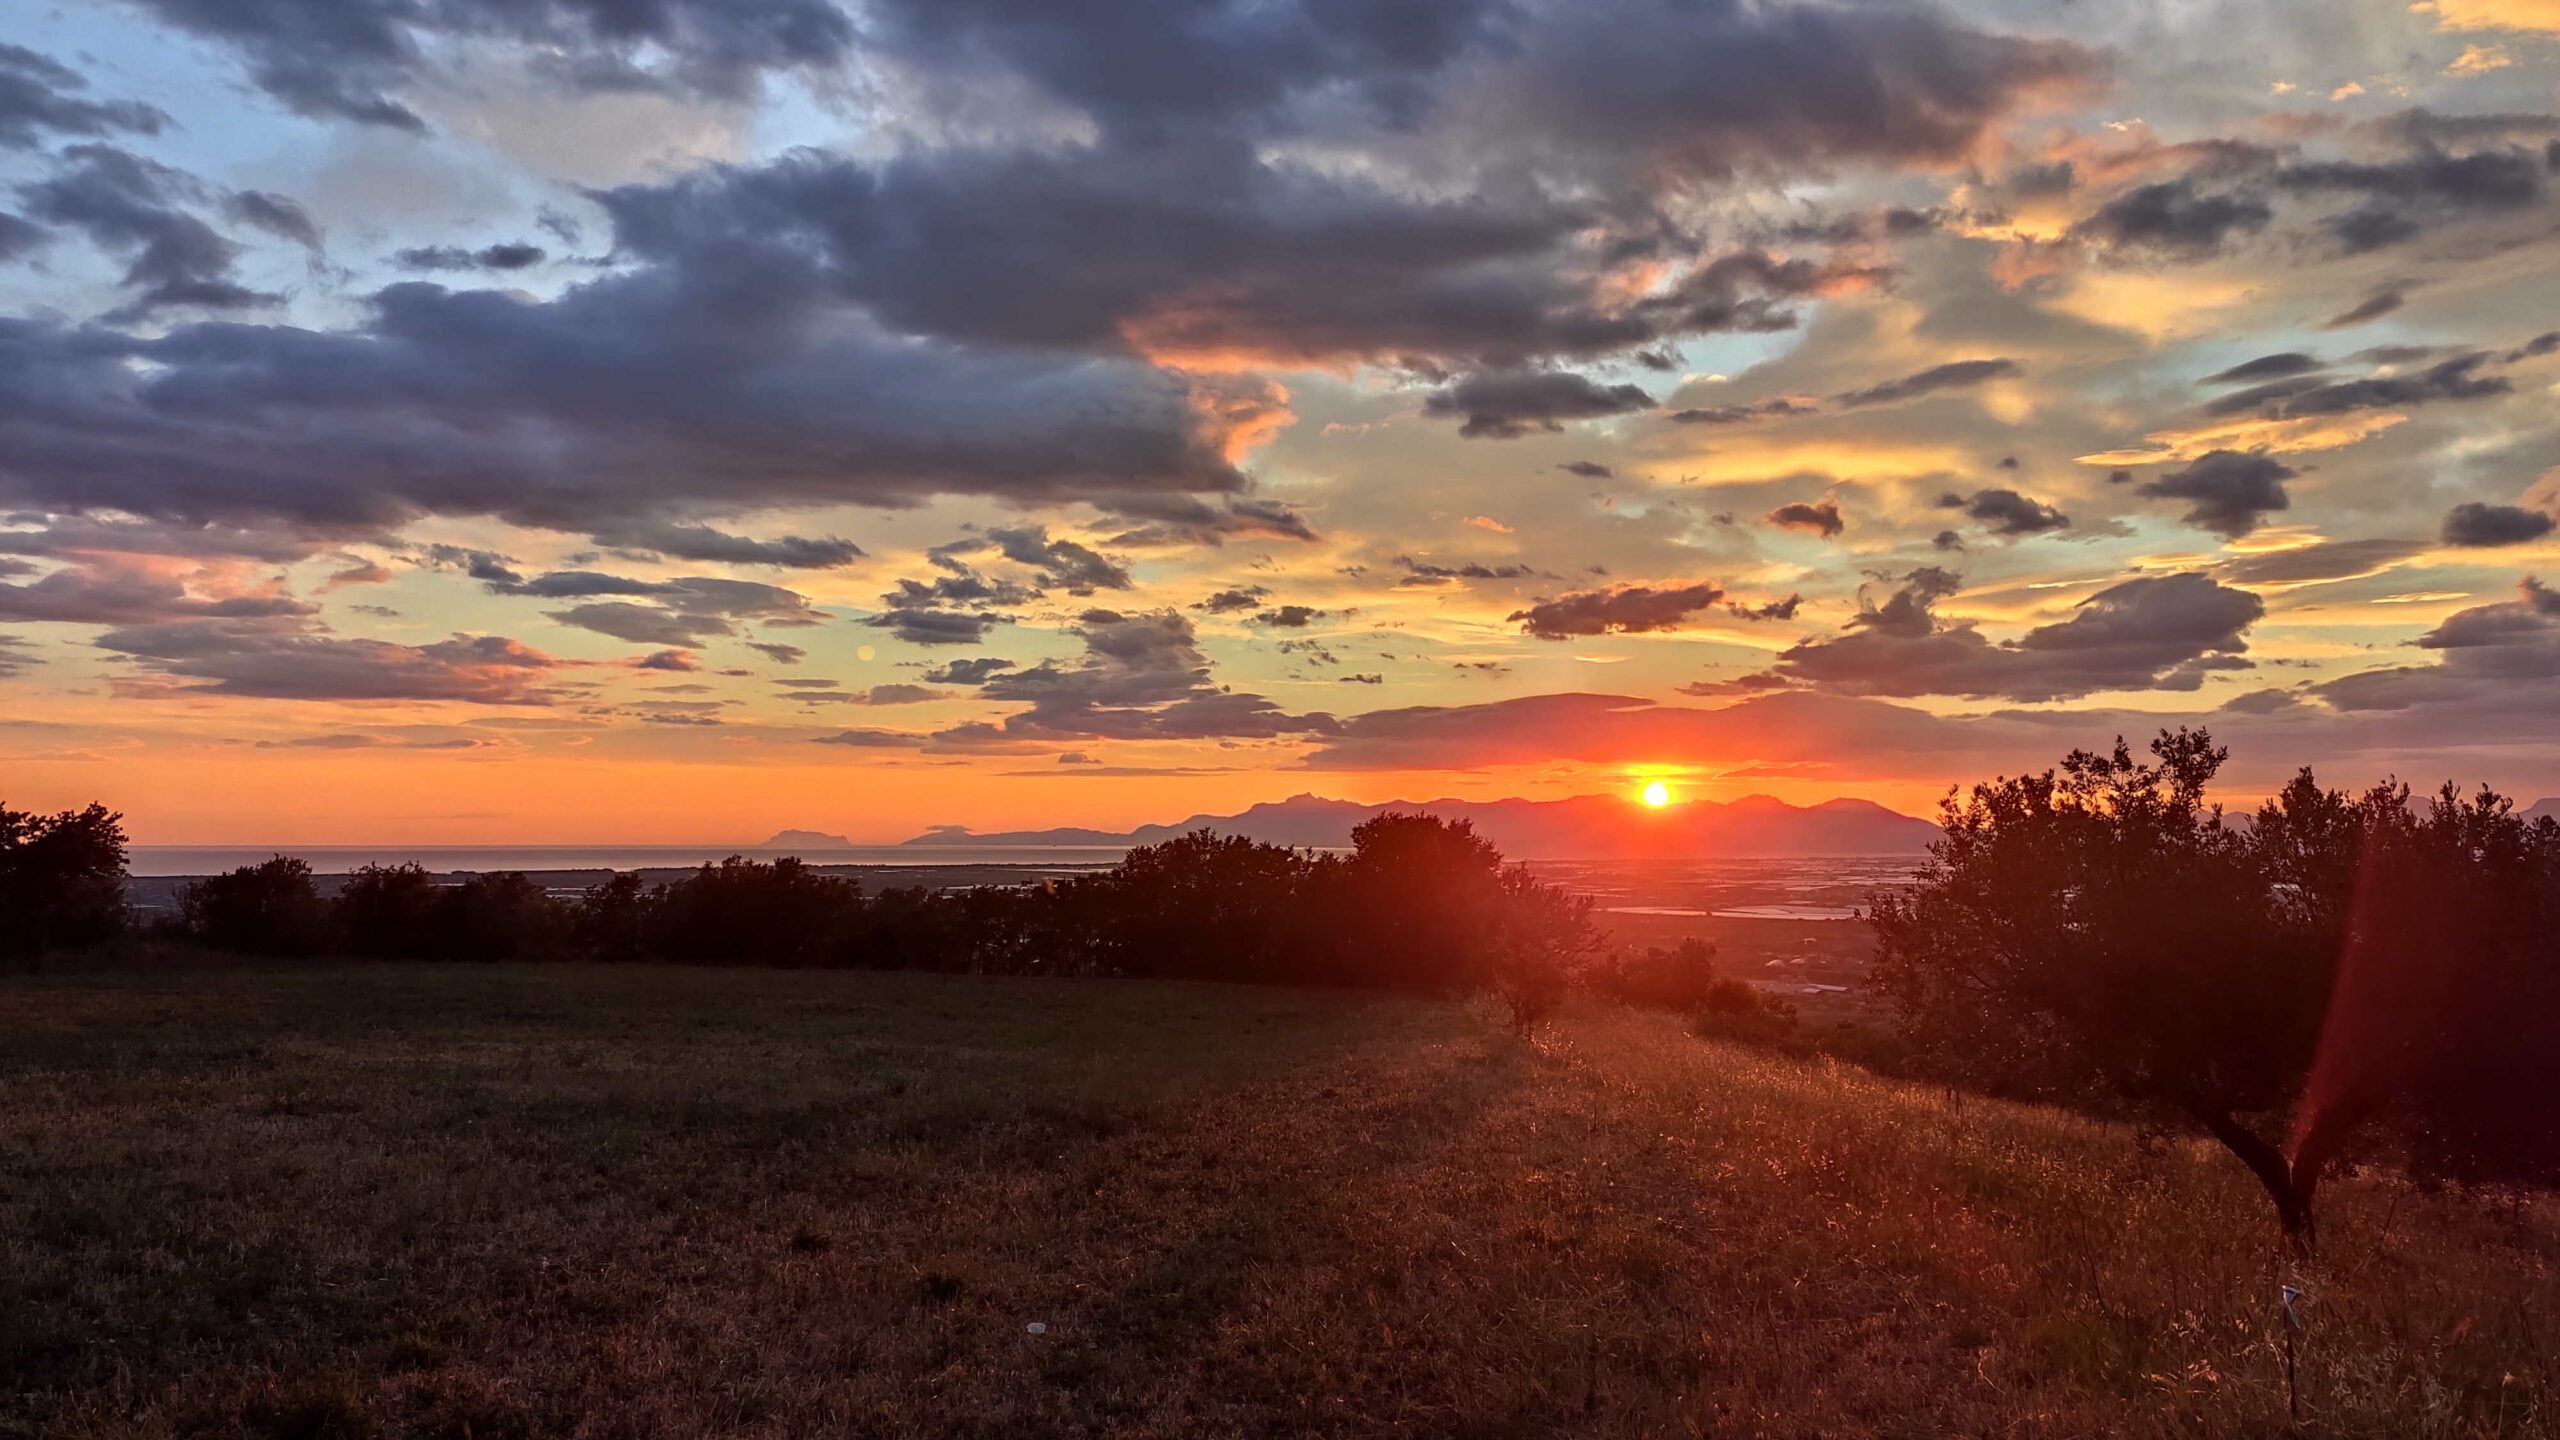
[[389, 912], [1678, 979], [610, 921], [1198, 905], [750, 912], [2442, 1045], [271, 908], [1539, 945], [499, 916], [2102, 934], [907, 928], [61, 879]]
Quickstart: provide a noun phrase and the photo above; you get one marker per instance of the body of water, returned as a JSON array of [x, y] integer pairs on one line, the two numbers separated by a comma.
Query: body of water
[[450, 859]]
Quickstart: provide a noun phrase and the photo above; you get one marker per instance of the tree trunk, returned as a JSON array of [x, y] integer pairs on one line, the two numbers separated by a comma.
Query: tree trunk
[[2291, 1193]]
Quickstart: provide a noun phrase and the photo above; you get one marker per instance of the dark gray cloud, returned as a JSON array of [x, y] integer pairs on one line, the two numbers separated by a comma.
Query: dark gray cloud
[[285, 659], [1619, 609], [965, 317], [645, 624], [2282, 366], [2489, 656], [1200, 248], [20, 238], [1212, 247], [1505, 405], [37, 100], [2164, 632], [507, 255], [1821, 517], [2327, 560], [1075, 568], [1656, 87], [1168, 519], [1228, 602], [722, 384], [1891, 222], [2372, 307], [101, 592], [1421, 572], [2174, 218], [687, 613], [2406, 195], [2006, 512], [779, 654], [972, 671], [1954, 375], [922, 625], [965, 588], [681, 540], [1142, 69], [869, 738], [1721, 88], [486, 565], [349, 59], [899, 694], [2229, 491], [278, 215], [132, 208], [1743, 414], [1141, 677], [1768, 609], [1587, 469], [1937, 379], [2472, 523], [2458, 378], [1289, 617], [1758, 683]]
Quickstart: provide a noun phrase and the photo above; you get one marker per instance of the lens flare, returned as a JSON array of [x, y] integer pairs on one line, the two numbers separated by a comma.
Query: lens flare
[[1657, 795]]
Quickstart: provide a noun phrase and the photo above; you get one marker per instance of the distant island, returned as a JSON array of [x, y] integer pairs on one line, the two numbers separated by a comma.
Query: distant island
[[1586, 825], [808, 839]]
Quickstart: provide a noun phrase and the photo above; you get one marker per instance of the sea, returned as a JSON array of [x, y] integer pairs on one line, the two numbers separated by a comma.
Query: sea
[[175, 860]]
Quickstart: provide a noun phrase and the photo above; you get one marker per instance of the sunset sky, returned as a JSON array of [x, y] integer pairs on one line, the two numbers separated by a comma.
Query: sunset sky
[[579, 420]]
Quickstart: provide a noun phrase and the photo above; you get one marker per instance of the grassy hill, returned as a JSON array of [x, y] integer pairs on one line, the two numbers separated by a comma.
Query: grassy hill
[[485, 1202]]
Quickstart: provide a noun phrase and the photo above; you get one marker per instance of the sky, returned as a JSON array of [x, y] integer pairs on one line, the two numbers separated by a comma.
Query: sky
[[562, 421]]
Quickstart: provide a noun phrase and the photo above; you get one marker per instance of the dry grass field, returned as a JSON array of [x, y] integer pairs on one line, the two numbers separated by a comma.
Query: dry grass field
[[494, 1202]]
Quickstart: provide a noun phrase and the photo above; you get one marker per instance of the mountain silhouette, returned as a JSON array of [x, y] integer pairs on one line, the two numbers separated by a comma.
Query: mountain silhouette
[[807, 839], [1584, 826]]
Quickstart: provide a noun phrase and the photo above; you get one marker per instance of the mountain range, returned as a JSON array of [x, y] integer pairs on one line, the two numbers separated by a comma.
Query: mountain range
[[1584, 826]]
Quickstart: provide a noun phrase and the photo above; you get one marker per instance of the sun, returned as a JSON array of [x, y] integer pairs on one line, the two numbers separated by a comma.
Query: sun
[[1656, 794]]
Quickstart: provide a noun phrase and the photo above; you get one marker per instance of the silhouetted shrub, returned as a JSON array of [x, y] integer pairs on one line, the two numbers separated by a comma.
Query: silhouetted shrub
[[61, 879], [388, 912], [1731, 1009], [750, 912], [500, 916], [1678, 979], [1199, 904], [271, 908], [611, 921]]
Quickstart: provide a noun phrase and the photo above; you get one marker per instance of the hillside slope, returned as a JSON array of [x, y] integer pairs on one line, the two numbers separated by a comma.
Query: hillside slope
[[404, 1200]]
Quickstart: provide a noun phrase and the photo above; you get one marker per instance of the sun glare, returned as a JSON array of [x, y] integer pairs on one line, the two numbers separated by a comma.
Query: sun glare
[[1656, 794]]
